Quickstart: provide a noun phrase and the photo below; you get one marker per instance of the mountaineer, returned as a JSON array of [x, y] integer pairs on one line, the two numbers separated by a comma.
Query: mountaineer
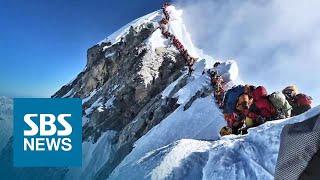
[[244, 102], [254, 108], [122, 43], [263, 105], [217, 83], [249, 106], [227, 70], [231, 98], [234, 121], [300, 102], [281, 104], [164, 25]]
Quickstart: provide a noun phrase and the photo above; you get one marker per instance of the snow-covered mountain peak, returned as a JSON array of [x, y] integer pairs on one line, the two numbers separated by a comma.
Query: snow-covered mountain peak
[[145, 117], [141, 76], [115, 37]]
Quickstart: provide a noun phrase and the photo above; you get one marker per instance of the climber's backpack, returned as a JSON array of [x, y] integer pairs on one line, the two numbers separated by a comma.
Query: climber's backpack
[[262, 103], [280, 102], [231, 99], [259, 92], [303, 100]]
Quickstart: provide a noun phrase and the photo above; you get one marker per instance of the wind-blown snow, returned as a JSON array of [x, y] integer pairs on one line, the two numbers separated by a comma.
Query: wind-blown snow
[[178, 28], [252, 156]]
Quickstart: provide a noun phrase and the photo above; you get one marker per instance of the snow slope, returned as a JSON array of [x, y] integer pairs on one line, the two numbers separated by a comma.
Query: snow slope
[[176, 27], [252, 156], [186, 144], [94, 156], [115, 37], [202, 121]]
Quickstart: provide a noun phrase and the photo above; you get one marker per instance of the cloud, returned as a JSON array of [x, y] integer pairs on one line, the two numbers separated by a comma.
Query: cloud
[[276, 43]]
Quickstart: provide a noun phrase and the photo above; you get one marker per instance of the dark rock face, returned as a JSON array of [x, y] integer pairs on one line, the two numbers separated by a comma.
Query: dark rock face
[[123, 82]]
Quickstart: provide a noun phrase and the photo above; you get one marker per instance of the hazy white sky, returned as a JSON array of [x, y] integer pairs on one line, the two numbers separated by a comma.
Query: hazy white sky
[[276, 43]]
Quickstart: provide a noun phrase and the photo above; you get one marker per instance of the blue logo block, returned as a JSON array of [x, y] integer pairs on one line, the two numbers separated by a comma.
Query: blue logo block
[[47, 132]]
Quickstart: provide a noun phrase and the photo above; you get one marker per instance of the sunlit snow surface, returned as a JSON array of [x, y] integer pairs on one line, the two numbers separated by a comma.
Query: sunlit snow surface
[[95, 155], [178, 28], [252, 156], [153, 17], [156, 40]]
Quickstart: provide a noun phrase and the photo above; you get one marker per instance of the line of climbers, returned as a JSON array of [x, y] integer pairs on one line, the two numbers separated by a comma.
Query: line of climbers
[[175, 41], [249, 106]]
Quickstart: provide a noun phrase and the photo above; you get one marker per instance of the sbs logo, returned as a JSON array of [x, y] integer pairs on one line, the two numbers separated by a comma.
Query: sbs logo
[[47, 132], [47, 141]]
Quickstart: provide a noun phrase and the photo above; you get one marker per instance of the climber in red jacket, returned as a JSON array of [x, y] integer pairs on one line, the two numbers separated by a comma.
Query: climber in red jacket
[[264, 107]]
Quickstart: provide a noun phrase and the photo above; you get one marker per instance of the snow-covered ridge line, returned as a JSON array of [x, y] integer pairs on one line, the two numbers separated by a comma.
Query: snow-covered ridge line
[[98, 103], [115, 37], [178, 28]]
